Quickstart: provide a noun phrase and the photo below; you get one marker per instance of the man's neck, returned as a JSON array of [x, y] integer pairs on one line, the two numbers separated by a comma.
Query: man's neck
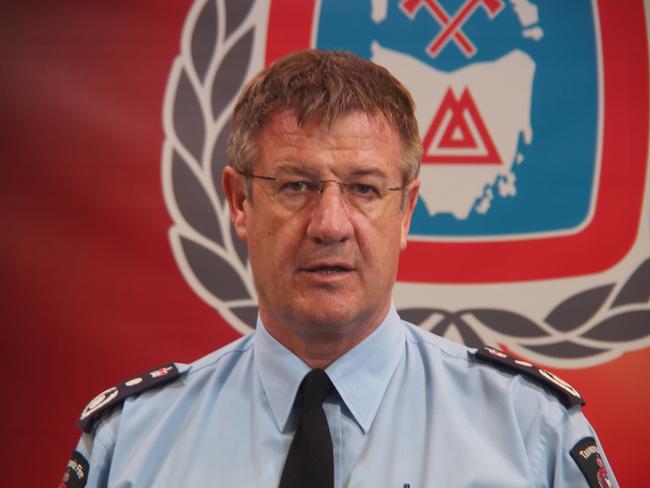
[[319, 346]]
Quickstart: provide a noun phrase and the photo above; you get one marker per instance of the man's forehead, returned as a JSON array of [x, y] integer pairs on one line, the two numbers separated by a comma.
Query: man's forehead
[[357, 143], [350, 123]]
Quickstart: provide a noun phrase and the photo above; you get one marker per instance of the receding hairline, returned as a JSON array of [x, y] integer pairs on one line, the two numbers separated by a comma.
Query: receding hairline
[[292, 121], [323, 86]]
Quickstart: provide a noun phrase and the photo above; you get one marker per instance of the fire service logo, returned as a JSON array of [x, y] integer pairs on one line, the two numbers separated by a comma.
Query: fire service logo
[[531, 232]]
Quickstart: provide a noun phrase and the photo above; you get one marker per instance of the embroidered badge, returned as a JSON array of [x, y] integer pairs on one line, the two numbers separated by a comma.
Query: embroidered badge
[[76, 472], [114, 395], [566, 393], [585, 454]]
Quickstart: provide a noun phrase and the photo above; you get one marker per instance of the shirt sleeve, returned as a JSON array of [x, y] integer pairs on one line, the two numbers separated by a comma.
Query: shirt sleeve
[[571, 454], [96, 449]]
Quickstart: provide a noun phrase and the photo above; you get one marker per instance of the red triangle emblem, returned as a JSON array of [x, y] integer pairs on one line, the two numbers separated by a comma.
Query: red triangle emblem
[[456, 126]]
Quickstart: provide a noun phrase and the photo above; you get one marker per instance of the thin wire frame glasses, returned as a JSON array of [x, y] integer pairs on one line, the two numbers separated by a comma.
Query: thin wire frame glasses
[[367, 193]]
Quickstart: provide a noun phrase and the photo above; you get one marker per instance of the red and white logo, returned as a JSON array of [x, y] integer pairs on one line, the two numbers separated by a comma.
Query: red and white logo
[[451, 27], [493, 257]]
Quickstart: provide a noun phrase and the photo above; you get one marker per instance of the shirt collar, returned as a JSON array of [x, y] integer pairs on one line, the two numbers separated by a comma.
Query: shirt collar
[[280, 372], [360, 376]]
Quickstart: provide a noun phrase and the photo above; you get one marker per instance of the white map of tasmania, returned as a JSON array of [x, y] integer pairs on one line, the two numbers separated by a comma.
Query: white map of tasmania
[[501, 93]]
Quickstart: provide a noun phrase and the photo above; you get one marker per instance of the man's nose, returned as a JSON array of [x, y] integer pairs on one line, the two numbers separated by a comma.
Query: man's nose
[[330, 218]]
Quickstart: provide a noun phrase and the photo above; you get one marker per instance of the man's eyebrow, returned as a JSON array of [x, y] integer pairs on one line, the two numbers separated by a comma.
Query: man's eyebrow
[[296, 169], [300, 170], [376, 172]]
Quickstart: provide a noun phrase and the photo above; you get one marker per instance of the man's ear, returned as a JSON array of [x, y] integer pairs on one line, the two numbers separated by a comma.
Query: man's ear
[[233, 187], [411, 199]]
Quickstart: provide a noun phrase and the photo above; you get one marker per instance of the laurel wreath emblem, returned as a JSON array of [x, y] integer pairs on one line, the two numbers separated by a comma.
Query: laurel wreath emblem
[[215, 60], [217, 52], [589, 327]]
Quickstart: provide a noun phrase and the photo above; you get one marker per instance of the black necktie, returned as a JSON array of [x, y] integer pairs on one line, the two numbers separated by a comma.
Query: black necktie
[[310, 463]]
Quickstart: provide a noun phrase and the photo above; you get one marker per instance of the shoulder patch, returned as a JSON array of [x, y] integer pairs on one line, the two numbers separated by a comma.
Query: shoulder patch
[[116, 394], [566, 393], [585, 454], [76, 472]]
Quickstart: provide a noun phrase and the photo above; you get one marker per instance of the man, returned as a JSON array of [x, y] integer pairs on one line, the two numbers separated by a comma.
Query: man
[[333, 389]]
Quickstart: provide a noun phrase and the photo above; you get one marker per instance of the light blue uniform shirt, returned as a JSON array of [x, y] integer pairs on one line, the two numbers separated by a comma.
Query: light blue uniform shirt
[[410, 410]]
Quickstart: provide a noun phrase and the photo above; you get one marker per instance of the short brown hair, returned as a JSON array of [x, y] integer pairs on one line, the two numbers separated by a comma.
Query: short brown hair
[[323, 85]]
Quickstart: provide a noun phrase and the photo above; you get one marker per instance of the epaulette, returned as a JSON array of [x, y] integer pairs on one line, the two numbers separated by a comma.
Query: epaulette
[[566, 393], [116, 394]]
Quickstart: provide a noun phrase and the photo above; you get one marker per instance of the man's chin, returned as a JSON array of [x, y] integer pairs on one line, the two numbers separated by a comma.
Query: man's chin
[[334, 314]]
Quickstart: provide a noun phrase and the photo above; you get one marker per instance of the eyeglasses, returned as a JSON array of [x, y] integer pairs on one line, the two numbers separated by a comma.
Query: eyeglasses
[[367, 193]]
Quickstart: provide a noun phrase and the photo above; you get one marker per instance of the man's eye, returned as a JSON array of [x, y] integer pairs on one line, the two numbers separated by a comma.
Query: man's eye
[[294, 186], [363, 189]]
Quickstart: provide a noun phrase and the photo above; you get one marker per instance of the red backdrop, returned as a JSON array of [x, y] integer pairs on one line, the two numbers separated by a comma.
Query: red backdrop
[[91, 293]]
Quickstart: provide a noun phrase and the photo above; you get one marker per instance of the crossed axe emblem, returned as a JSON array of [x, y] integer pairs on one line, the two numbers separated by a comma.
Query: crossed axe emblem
[[452, 26]]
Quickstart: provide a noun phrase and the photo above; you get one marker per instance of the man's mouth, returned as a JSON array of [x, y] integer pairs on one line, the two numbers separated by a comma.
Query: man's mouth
[[327, 269]]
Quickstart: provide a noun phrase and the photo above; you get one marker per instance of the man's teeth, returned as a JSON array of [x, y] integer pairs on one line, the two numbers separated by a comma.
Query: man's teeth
[[328, 270]]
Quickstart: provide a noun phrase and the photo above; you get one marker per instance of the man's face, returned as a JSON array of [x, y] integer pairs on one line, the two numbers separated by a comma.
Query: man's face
[[327, 267]]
